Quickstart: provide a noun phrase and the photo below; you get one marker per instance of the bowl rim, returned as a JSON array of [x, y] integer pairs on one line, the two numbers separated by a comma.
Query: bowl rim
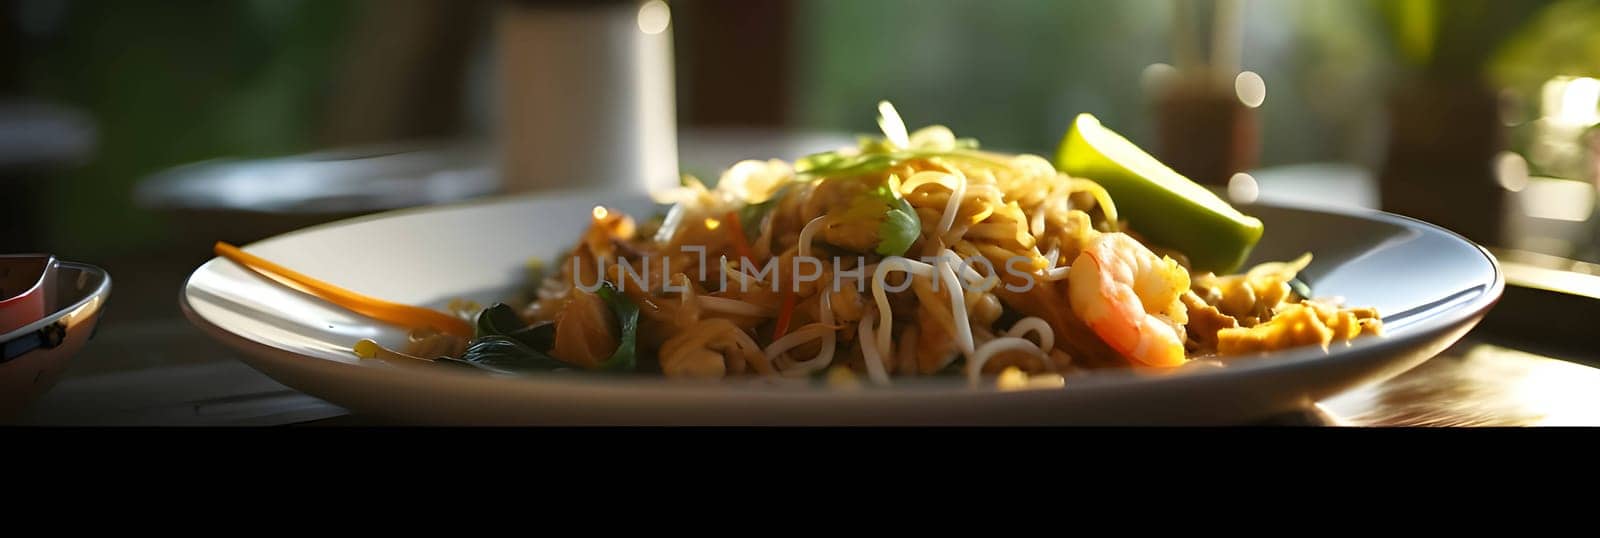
[[50, 263], [93, 298]]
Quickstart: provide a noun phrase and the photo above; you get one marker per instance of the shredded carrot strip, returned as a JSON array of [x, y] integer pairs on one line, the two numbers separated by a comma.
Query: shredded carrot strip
[[398, 314], [736, 232], [784, 313]]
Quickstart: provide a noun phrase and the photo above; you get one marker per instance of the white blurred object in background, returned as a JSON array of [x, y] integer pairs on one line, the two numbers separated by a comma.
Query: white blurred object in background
[[586, 96]]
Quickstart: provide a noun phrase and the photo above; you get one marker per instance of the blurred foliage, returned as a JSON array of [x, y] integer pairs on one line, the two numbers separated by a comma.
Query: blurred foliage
[[179, 81], [1563, 39], [1452, 39], [169, 83]]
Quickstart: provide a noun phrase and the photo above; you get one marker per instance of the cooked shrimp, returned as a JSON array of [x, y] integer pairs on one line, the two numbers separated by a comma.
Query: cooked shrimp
[[584, 330], [1131, 299]]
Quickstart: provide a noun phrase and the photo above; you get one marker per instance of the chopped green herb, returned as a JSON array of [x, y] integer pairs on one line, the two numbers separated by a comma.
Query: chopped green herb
[[623, 359]]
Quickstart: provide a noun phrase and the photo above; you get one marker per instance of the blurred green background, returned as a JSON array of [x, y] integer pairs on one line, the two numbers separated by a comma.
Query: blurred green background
[[169, 83], [180, 81]]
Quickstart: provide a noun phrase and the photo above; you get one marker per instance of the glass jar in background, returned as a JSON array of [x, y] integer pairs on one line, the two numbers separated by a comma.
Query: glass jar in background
[[586, 95], [1208, 129], [1207, 124]]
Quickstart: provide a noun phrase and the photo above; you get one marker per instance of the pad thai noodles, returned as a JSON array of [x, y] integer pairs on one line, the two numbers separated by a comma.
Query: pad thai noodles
[[913, 254]]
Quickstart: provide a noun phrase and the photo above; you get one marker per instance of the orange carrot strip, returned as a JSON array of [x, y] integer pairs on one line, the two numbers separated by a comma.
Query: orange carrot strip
[[395, 313], [784, 313], [736, 232]]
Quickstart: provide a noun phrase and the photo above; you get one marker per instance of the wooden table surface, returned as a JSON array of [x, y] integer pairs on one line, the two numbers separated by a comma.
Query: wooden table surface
[[1477, 384], [1472, 384], [167, 374]]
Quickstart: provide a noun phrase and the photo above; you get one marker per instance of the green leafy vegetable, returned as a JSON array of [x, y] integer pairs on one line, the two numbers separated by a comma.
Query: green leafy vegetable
[[496, 320], [900, 227], [897, 223], [827, 160], [507, 355], [501, 343], [751, 215], [502, 320], [541, 336], [623, 359], [834, 164], [876, 155]]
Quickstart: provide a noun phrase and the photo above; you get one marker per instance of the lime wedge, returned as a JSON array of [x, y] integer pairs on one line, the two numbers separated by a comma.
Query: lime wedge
[[1160, 204]]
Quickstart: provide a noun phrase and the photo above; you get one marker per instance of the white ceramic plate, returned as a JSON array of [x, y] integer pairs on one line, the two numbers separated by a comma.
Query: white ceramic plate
[[1431, 286]]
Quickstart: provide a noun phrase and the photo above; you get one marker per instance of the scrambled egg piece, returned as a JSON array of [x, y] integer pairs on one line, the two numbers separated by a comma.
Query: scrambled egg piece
[[1013, 378], [840, 377], [1205, 321], [1298, 324], [1251, 297]]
